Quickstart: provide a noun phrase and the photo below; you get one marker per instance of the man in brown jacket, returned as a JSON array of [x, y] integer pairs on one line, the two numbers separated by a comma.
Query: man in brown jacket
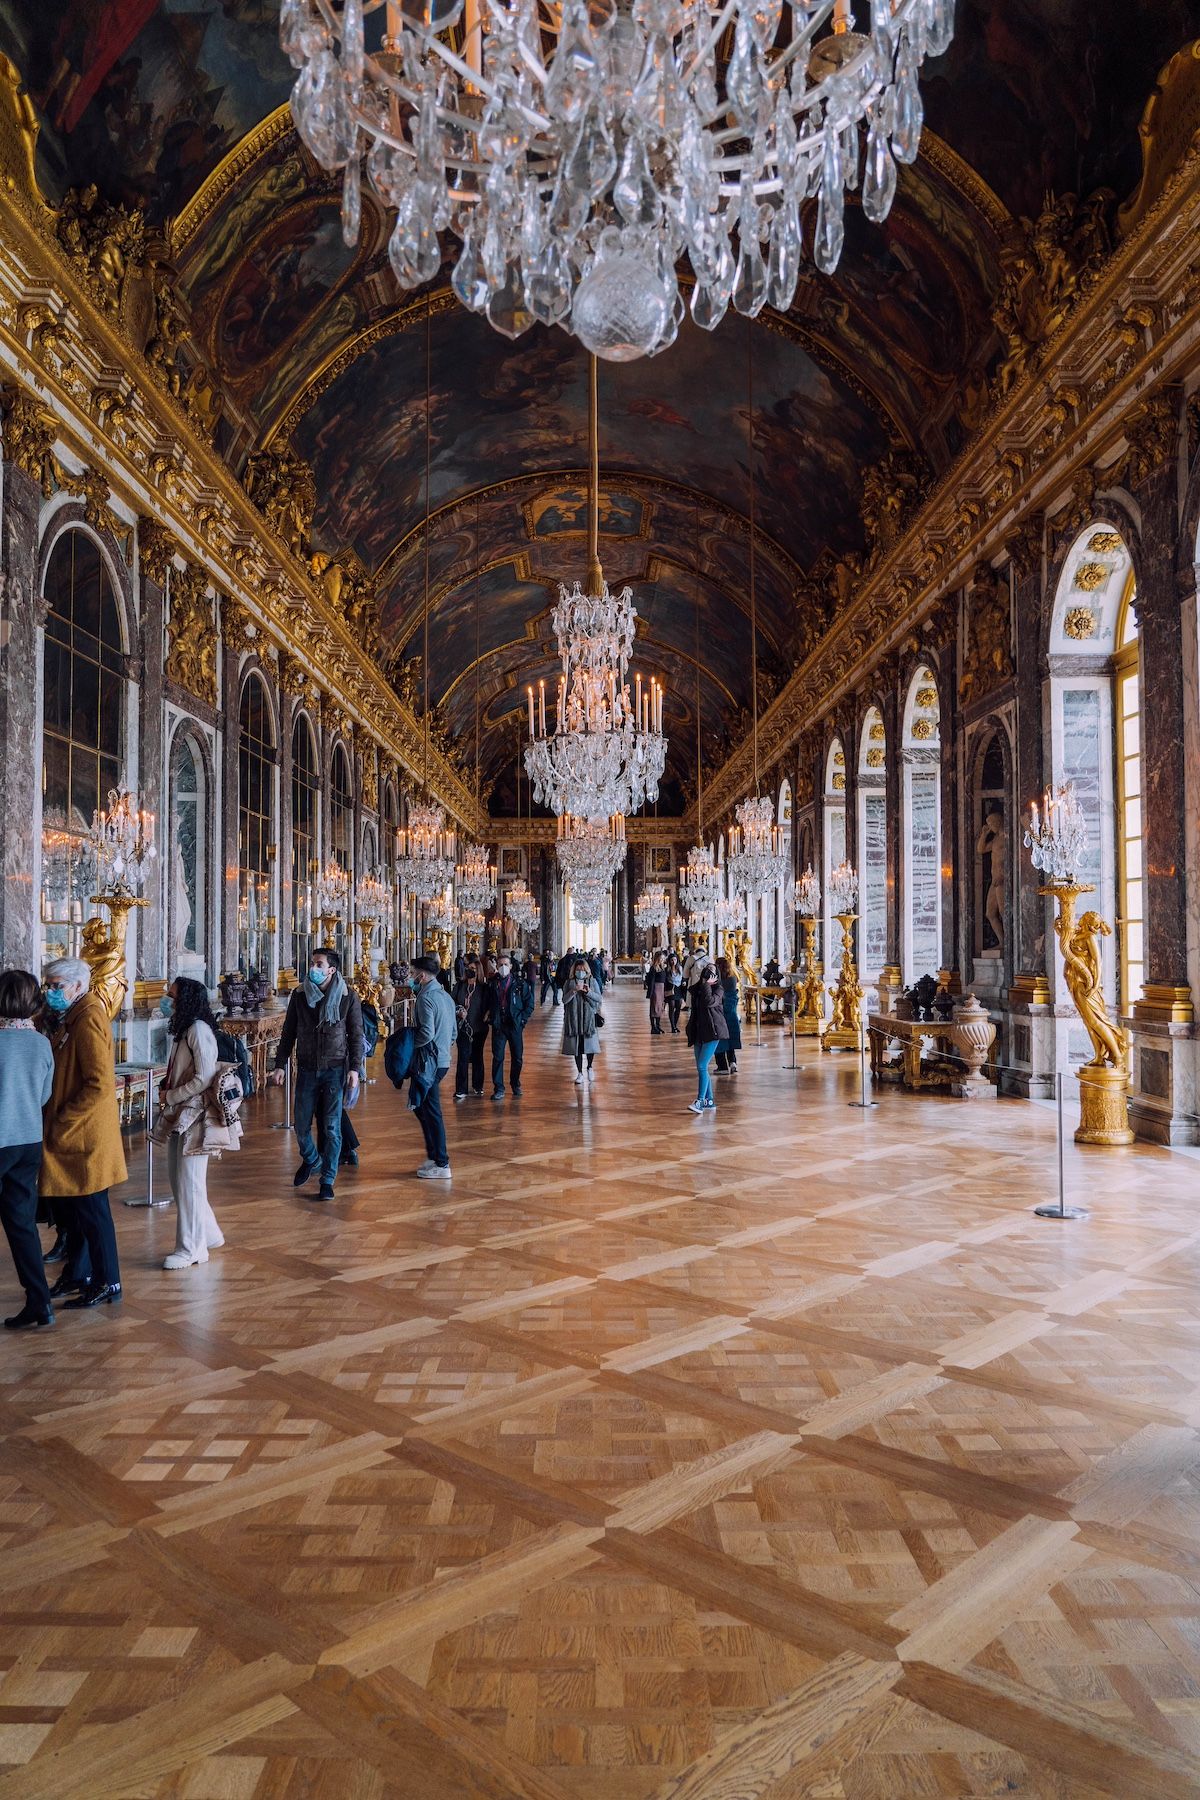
[[82, 1153]]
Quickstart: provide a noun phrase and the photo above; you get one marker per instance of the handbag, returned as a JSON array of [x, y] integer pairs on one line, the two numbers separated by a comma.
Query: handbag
[[599, 1021]]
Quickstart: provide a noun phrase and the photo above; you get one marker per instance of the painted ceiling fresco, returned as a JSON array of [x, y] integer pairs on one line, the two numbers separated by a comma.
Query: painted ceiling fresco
[[314, 344]]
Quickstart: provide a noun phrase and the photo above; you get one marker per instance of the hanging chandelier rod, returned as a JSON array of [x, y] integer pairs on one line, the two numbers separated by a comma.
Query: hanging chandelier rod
[[595, 580], [425, 651], [478, 764], [696, 661], [753, 590]]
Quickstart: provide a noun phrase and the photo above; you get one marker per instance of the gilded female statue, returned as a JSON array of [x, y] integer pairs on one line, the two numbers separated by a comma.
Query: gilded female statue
[[1080, 944]]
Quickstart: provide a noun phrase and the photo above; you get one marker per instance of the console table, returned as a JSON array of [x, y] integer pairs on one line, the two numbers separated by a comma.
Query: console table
[[968, 1036]]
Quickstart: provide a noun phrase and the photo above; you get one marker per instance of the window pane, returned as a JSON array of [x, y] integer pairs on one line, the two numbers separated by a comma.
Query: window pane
[[1134, 942], [1133, 817], [1132, 907]]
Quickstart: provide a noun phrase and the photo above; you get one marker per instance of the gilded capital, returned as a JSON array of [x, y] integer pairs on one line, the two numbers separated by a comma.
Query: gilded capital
[[29, 434], [235, 626], [156, 547], [1152, 433], [1023, 546]]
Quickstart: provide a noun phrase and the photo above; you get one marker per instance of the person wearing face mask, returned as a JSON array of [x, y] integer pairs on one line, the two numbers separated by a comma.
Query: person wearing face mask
[[581, 1020], [324, 1027], [705, 1031], [26, 1077], [435, 1031], [82, 1153], [472, 1005], [512, 1008], [180, 1123]]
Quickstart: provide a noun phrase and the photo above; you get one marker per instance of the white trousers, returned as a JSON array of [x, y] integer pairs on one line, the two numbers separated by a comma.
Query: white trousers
[[196, 1227]]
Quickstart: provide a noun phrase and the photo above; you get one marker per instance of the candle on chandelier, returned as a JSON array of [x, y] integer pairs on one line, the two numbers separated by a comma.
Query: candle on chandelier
[[542, 705], [530, 692]]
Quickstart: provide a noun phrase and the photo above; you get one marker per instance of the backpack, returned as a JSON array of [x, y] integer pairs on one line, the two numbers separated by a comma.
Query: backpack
[[370, 1025], [232, 1049]]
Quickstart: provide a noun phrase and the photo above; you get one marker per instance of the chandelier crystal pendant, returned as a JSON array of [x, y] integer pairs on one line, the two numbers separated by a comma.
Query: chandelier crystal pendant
[[579, 152], [606, 751], [758, 857], [475, 879], [425, 851], [650, 909]]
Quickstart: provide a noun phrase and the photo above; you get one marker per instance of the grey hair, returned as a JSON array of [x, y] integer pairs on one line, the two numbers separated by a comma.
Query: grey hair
[[72, 971]]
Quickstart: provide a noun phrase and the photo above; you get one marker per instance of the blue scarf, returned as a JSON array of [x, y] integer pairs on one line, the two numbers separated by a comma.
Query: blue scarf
[[329, 998]]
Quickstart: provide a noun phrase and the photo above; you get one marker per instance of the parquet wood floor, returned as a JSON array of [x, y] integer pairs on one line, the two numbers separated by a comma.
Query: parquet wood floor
[[775, 1453]]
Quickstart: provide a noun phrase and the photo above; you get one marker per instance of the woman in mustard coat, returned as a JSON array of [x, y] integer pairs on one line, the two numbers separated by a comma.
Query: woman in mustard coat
[[82, 1153]]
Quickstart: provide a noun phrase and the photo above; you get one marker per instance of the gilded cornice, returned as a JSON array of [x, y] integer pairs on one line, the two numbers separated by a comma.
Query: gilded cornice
[[539, 833], [69, 360], [1064, 417], [228, 172]]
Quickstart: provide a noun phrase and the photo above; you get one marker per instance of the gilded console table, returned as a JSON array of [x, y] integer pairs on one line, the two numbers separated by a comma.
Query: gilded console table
[[968, 1036]]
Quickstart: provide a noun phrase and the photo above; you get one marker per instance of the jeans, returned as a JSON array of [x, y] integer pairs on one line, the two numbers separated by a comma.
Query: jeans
[[514, 1037], [91, 1240], [19, 1165], [320, 1091], [469, 1070], [432, 1123], [704, 1055]]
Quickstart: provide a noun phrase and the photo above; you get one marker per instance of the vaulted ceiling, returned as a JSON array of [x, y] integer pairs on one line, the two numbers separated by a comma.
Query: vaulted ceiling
[[179, 107]]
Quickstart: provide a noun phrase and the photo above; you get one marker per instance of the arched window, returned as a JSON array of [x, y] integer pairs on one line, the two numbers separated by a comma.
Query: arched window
[[834, 836], [187, 867], [872, 845], [391, 824], [83, 729], [306, 805], [256, 835], [921, 757], [1130, 901], [341, 825]]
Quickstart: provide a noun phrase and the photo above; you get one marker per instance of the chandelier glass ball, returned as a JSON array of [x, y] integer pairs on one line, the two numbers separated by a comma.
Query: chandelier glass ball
[[758, 854], [578, 152], [425, 851]]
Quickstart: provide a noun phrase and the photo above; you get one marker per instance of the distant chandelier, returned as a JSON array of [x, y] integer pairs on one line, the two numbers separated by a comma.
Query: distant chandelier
[[579, 152], [471, 919], [650, 909], [758, 856], [521, 907], [700, 885], [606, 753], [440, 914], [425, 851], [475, 879], [730, 914], [590, 851]]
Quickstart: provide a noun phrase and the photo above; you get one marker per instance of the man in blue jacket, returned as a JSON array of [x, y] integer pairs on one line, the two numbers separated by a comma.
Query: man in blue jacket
[[436, 1026], [512, 1008]]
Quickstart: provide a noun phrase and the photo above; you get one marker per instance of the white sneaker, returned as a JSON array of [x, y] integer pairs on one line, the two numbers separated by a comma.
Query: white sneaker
[[697, 1106], [181, 1259], [424, 1168], [578, 1076], [591, 1074], [217, 1243], [434, 1172]]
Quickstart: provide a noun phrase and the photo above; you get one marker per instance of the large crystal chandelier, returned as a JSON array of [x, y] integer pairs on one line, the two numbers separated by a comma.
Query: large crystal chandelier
[[590, 851], [606, 752], [700, 883], [440, 914], [650, 909], [521, 907], [758, 854], [121, 840], [578, 151], [475, 879], [731, 914], [425, 850]]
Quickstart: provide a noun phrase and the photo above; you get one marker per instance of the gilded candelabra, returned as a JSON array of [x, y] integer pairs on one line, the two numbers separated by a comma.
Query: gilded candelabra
[[845, 1027], [810, 993], [122, 841], [365, 985], [1104, 1081], [102, 947]]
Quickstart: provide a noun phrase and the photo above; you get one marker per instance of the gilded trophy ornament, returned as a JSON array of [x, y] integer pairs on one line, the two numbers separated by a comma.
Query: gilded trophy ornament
[[281, 485], [105, 242], [29, 431], [156, 547], [989, 635], [192, 656]]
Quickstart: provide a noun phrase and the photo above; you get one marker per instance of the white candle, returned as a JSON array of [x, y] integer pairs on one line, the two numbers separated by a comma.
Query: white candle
[[542, 705], [531, 711]]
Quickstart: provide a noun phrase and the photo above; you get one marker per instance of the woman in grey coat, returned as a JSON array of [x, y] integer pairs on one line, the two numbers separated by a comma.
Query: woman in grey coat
[[581, 1013]]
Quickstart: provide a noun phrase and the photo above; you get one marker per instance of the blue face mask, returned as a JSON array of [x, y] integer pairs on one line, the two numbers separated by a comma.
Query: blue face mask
[[318, 977], [166, 1006], [56, 999]]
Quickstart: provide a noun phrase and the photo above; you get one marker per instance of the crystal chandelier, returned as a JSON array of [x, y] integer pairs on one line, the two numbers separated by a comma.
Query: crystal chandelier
[[843, 890], [808, 894], [1057, 838], [521, 907], [650, 909], [578, 152], [471, 920], [731, 914], [440, 914], [475, 879], [758, 855], [590, 851], [606, 752], [700, 884], [121, 840], [425, 850]]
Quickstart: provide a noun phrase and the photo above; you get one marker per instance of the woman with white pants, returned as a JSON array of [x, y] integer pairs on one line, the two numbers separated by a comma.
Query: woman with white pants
[[190, 1070]]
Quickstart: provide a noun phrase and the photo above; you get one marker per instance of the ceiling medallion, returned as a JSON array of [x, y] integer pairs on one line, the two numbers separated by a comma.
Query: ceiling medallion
[[578, 160], [1091, 575], [1080, 622], [605, 752]]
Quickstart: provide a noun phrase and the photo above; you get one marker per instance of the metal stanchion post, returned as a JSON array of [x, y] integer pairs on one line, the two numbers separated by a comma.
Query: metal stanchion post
[[1062, 1210], [149, 1200], [285, 1124], [862, 1102]]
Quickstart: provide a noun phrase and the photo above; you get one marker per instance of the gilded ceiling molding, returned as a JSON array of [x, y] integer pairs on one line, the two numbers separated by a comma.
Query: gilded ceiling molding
[[1017, 462], [959, 175], [640, 831], [162, 464], [228, 172]]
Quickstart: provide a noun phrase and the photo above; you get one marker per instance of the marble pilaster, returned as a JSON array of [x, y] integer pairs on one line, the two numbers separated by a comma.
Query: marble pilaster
[[1025, 549], [227, 826], [21, 618], [153, 783]]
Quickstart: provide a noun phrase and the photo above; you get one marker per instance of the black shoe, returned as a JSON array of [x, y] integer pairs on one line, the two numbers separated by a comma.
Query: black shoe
[[348, 1159], [460, 1096], [304, 1173], [326, 1192], [97, 1293], [57, 1250], [29, 1320], [67, 1284], [477, 1093], [516, 1093], [497, 1093]]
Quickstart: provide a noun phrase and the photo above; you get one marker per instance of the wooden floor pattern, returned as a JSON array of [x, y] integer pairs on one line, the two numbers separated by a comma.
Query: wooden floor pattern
[[779, 1452]]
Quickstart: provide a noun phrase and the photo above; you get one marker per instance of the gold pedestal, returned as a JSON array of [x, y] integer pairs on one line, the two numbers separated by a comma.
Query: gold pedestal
[[365, 985], [327, 924], [845, 1027], [810, 993], [103, 949], [1103, 1106]]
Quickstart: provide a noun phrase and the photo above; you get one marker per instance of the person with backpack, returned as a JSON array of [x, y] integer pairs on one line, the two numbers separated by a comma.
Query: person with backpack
[[323, 1025], [183, 1099]]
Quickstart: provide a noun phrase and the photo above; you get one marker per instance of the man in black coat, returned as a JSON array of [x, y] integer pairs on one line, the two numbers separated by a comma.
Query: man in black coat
[[512, 1008], [473, 1008], [324, 1027]]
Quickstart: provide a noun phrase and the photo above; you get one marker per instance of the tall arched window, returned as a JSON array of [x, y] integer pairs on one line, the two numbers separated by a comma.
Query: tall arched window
[[341, 821], [921, 756], [83, 729], [391, 824], [872, 844], [834, 836], [1130, 901], [256, 835], [306, 804]]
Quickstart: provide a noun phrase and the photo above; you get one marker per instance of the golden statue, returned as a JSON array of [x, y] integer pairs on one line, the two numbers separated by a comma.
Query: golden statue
[[743, 962], [845, 1026], [102, 948], [1080, 944]]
